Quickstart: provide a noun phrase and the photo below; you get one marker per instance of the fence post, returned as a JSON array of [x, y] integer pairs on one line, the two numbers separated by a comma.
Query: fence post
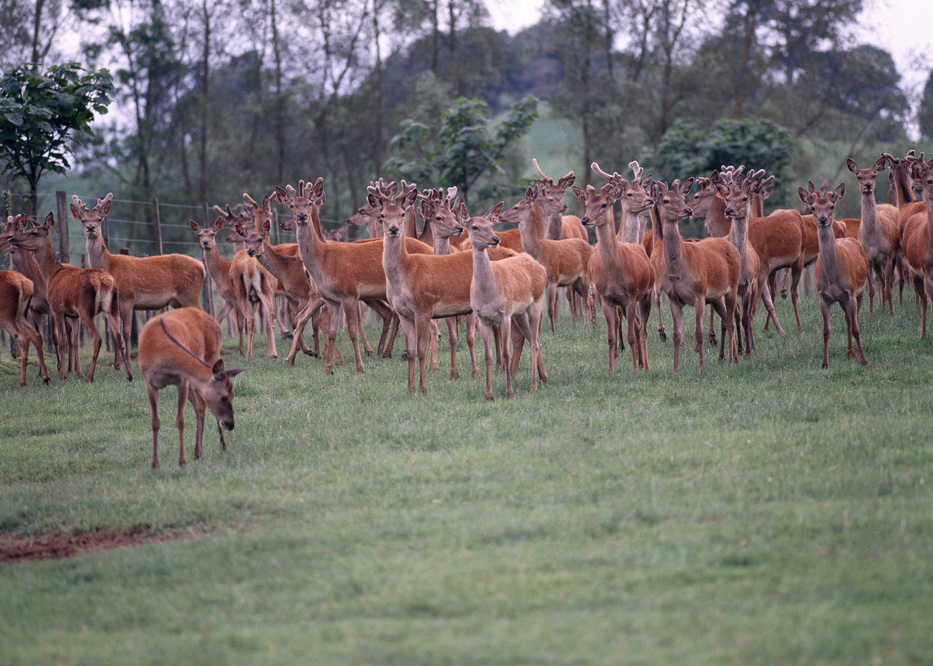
[[64, 244], [158, 225]]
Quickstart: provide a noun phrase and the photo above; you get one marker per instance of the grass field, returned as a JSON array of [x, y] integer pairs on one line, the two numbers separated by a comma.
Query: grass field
[[770, 512]]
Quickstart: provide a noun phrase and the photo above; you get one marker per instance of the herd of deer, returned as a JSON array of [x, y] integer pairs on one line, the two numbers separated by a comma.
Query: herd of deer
[[496, 280]]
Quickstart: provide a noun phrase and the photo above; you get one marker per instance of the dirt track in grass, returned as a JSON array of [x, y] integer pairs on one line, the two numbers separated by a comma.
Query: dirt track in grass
[[60, 546]]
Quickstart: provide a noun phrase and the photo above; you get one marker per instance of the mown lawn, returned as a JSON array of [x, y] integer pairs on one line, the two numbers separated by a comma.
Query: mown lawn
[[770, 512]]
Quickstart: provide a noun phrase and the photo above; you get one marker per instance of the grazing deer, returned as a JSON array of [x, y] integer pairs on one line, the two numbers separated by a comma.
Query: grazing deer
[[917, 238], [621, 272], [15, 296], [143, 283], [503, 292], [564, 260], [182, 348], [878, 233], [219, 270], [76, 293], [696, 273], [841, 270]]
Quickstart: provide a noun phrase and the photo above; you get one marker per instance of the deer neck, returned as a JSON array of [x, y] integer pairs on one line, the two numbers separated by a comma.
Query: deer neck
[[441, 245], [427, 233], [310, 244], [394, 257], [555, 225], [672, 245], [275, 263], [633, 225], [25, 263], [47, 261], [902, 185], [605, 239], [531, 229], [214, 262], [716, 221], [738, 236], [869, 223], [97, 254], [483, 285], [828, 255], [929, 205]]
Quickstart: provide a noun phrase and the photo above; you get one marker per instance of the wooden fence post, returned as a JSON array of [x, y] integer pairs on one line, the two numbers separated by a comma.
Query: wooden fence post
[[64, 244], [158, 226]]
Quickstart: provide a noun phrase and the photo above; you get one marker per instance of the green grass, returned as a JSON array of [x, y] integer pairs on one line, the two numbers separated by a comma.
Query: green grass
[[770, 512]]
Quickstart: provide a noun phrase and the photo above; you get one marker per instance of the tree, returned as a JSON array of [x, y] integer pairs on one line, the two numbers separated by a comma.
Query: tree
[[925, 112], [42, 117], [463, 149]]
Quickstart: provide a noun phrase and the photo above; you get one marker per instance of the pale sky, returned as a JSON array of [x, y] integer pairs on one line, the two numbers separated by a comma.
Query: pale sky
[[898, 26]]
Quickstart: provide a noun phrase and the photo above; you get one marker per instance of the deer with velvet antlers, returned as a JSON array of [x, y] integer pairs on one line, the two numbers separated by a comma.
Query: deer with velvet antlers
[[841, 269]]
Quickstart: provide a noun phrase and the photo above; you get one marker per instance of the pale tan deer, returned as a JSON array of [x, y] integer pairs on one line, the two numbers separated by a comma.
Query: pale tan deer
[[564, 260], [879, 233], [182, 348], [15, 296], [75, 293], [503, 292], [917, 238], [621, 272], [419, 287], [841, 270], [143, 283], [753, 279], [342, 273], [694, 274], [291, 275], [219, 270]]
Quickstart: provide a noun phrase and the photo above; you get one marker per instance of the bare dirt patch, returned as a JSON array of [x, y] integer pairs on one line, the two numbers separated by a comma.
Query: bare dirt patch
[[60, 546]]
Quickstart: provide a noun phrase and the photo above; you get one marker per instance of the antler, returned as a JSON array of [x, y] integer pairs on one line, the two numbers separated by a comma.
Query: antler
[[538, 169]]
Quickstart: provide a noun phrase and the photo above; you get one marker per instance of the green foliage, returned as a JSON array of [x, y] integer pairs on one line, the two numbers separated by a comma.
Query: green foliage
[[925, 112], [42, 116], [465, 147], [687, 150]]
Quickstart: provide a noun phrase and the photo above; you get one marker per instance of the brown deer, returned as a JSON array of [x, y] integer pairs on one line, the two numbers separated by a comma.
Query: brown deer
[[219, 270], [342, 273], [419, 287], [696, 273], [879, 233], [291, 275], [503, 292], [143, 283], [75, 293], [917, 237], [564, 260], [841, 270], [621, 272], [16, 292], [182, 348], [905, 197], [753, 280]]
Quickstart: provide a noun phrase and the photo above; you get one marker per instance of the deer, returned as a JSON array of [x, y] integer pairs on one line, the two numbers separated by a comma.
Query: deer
[[503, 292], [878, 233], [219, 270], [621, 272], [25, 264], [636, 205], [143, 283], [75, 293], [16, 291], [419, 287], [917, 237], [342, 273], [564, 260], [291, 275], [908, 204], [753, 280], [181, 347], [696, 273], [841, 269]]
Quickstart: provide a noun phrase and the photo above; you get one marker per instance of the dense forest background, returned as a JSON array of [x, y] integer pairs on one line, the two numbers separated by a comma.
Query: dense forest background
[[214, 98]]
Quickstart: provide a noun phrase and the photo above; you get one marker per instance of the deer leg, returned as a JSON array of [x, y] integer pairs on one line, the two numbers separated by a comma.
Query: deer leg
[[644, 307], [522, 326], [180, 420], [552, 304], [518, 344], [661, 332], [506, 328], [677, 317], [699, 306], [452, 332], [352, 314], [153, 395], [301, 320], [611, 315], [470, 324], [197, 401], [489, 351]]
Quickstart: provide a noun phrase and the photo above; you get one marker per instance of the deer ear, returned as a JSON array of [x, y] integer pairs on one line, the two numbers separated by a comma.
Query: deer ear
[[850, 163], [195, 227], [839, 191], [804, 195], [580, 194], [75, 212], [266, 226]]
